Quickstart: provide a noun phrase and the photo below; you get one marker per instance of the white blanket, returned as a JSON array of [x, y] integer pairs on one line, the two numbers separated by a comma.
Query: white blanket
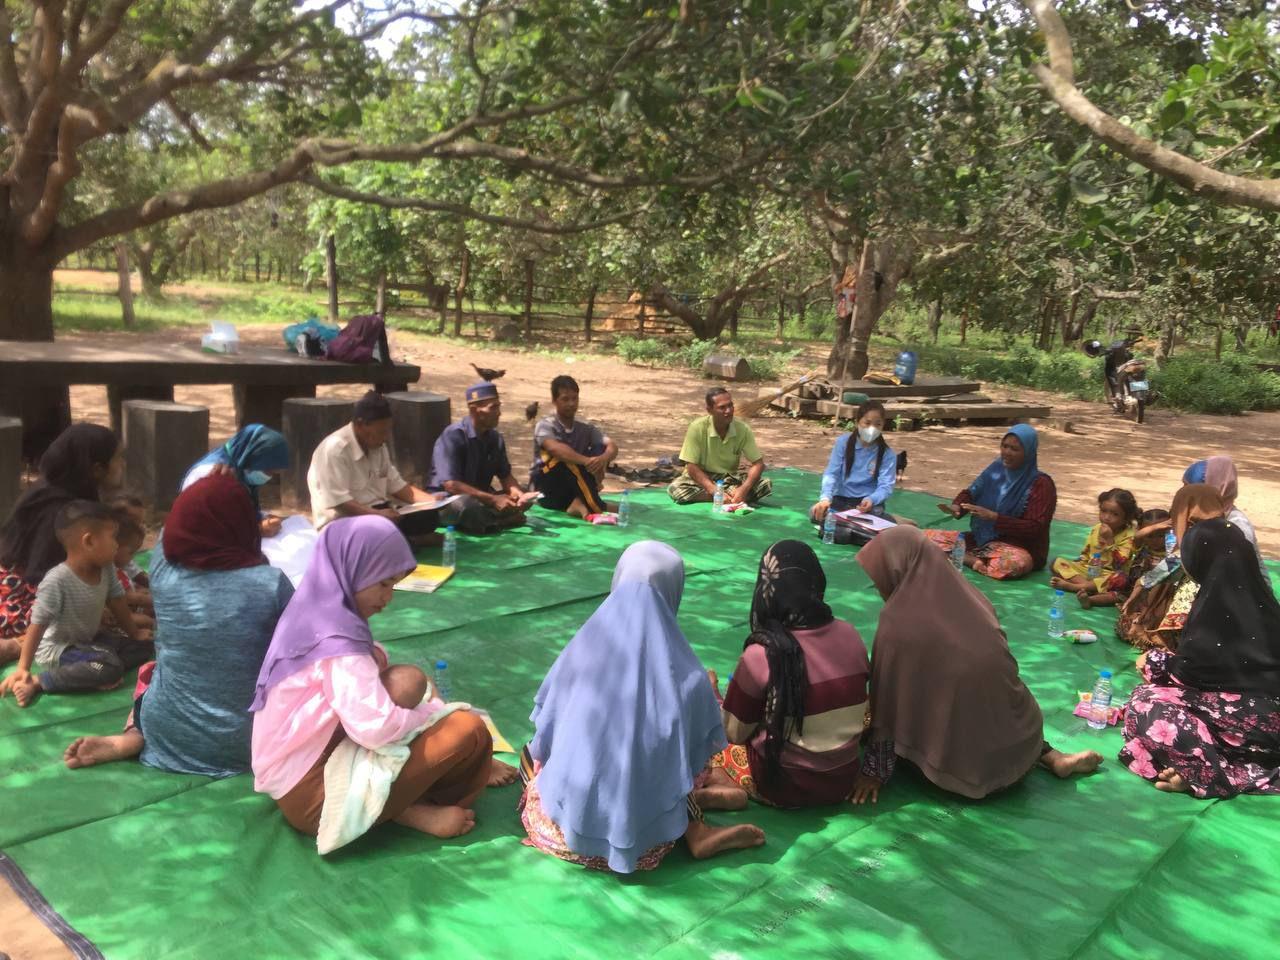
[[358, 780]]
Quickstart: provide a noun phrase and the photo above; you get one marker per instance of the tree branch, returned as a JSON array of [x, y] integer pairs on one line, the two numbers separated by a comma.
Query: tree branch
[[1196, 178], [461, 210]]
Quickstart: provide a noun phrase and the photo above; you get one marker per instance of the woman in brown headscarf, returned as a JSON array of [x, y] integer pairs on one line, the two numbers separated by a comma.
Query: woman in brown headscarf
[[945, 691], [1154, 614]]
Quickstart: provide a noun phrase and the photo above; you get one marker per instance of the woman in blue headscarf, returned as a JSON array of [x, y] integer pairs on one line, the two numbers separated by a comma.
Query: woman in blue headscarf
[[626, 721], [1010, 506], [253, 456]]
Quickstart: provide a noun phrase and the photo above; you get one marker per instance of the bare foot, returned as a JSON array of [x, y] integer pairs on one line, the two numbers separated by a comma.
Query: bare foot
[[1170, 781], [501, 774], [442, 822], [706, 841], [10, 650], [90, 751], [1086, 601], [1066, 765], [1057, 583], [577, 509], [26, 692], [721, 798]]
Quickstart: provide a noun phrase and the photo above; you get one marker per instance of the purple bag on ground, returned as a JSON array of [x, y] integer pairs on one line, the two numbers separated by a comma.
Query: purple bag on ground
[[363, 340]]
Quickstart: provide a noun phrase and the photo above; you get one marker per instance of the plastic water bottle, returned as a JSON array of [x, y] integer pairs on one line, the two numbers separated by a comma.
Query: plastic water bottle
[[829, 527], [624, 509], [717, 502], [1100, 702], [444, 689], [1170, 542], [1095, 566], [1057, 615], [449, 552], [957, 554]]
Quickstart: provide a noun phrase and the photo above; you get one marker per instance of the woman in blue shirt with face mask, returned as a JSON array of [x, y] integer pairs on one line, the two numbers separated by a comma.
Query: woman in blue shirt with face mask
[[253, 456], [862, 469]]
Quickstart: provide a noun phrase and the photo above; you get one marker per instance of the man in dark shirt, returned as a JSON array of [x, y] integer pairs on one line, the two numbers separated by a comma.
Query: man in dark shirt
[[570, 456], [468, 457]]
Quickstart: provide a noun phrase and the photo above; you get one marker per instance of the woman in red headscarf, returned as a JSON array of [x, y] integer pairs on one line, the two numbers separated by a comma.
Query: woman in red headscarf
[[217, 602]]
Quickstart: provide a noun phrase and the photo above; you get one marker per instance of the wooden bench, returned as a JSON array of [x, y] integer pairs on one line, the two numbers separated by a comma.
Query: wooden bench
[[262, 378]]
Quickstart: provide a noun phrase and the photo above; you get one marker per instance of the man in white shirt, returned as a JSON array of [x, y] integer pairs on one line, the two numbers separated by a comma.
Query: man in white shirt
[[352, 475]]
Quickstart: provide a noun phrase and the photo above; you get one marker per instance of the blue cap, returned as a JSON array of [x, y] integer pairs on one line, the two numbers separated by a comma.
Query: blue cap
[[1195, 472], [1104, 674], [440, 665], [482, 391]]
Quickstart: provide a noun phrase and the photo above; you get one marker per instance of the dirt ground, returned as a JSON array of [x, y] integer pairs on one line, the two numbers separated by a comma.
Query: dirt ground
[[646, 411]]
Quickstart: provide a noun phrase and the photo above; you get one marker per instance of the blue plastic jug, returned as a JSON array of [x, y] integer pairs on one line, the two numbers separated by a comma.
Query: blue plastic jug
[[905, 368]]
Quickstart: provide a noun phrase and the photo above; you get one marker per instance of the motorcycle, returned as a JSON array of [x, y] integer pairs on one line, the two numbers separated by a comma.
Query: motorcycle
[[1128, 389]]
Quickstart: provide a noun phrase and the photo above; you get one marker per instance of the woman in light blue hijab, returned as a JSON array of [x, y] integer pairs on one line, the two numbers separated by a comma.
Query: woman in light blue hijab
[[1010, 506], [253, 456], [626, 721]]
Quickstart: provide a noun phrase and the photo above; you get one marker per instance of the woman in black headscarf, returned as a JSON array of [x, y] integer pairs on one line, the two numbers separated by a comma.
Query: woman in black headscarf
[[84, 458], [1207, 721], [795, 705]]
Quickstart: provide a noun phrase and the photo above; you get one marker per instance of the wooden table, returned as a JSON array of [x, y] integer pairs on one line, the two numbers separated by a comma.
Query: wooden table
[[262, 378]]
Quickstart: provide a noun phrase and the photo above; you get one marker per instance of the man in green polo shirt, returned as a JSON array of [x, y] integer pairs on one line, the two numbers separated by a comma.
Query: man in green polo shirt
[[714, 448]]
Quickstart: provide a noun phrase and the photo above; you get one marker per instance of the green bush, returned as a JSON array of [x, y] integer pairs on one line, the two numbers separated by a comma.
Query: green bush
[[1072, 373], [766, 363], [1230, 385]]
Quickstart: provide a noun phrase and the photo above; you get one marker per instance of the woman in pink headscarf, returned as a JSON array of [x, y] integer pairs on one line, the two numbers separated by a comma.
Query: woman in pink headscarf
[[1220, 473]]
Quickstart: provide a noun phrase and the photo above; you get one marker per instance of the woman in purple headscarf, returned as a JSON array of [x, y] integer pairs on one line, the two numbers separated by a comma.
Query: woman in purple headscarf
[[626, 721], [324, 680]]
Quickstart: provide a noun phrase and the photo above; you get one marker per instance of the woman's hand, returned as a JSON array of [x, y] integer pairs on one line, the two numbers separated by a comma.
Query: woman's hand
[[952, 509], [865, 505], [982, 513], [270, 525], [866, 788], [820, 510]]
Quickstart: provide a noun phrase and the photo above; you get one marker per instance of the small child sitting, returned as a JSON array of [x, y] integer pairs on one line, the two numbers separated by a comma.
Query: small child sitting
[[136, 510], [65, 636], [1109, 549], [130, 536]]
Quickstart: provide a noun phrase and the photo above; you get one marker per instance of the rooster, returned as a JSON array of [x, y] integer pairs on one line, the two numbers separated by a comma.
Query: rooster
[[487, 374]]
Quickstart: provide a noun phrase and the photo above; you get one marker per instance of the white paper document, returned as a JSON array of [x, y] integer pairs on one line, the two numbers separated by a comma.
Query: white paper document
[[289, 551]]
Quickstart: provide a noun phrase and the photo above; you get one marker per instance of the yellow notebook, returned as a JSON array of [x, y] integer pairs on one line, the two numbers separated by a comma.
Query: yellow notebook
[[500, 743], [425, 578]]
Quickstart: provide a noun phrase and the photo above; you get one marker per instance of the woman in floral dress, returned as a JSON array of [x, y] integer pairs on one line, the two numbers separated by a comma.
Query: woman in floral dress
[[1207, 720]]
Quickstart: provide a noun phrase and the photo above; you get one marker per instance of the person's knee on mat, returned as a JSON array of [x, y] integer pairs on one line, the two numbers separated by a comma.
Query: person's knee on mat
[[405, 684]]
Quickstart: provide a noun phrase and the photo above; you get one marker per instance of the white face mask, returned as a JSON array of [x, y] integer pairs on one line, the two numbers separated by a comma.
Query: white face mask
[[868, 435]]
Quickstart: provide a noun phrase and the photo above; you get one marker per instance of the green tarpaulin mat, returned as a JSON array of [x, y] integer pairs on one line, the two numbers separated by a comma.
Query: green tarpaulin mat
[[147, 864]]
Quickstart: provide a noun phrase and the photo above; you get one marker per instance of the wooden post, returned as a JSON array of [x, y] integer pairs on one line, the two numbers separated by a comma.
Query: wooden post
[[528, 297], [380, 299], [331, 275], [591, 307], [125, 290], [782, 315]]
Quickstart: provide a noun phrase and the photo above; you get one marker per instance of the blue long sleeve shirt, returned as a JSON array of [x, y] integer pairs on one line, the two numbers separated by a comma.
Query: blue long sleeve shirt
[[860, 482]]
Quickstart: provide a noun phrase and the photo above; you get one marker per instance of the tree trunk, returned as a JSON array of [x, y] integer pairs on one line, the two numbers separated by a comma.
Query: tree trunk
[[1217, 344], [1164, 350], [528, 298], [935, 319], [380, 298], [331, 275], [26, 313], [1069, 335], [124, 288], [733, 323], [460, 290], [145, 255], [257, 267], [640, 318], [964, 325], [591, 308], [782, 316], [884, 264]]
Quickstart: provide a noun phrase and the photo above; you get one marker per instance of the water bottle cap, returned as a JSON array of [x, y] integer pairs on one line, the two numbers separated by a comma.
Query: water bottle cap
[[1058, 593], [449, 529], [719, 483], [1104, 674], [441, 665]]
